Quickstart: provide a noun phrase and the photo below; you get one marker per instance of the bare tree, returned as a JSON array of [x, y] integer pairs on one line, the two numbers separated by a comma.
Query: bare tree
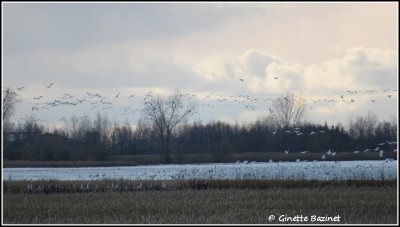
[[289, 110], [122, 138], [166, 114], [102, 127], [363, 126], [10, 98]]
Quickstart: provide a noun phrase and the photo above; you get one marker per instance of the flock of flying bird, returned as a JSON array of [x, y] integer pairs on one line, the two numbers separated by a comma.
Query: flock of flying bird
[[297, 132], [102, 102], [250, 103]]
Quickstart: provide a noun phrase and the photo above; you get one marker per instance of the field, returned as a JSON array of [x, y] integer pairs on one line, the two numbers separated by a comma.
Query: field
[[354, 202], [300, 170], [342, 192]]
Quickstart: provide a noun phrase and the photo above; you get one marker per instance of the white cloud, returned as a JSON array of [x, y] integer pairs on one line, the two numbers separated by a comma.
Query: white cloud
[[256, 62], [211, 67], [359, 68], [371, 67]]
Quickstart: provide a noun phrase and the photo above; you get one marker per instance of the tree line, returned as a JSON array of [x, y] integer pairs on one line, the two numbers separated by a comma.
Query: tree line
[[165, 129]]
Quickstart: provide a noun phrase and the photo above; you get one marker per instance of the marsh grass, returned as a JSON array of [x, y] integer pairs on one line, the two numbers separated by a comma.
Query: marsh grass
[[122, 185], [355, 205]]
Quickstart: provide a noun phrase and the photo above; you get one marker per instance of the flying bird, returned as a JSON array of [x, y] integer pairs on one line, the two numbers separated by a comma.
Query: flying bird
[[275, 77], [329, 152], [20, 88], [49, 86], [241, 80]]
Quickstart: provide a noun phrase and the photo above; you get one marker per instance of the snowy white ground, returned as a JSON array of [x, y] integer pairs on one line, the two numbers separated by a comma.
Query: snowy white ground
[[321, 170]]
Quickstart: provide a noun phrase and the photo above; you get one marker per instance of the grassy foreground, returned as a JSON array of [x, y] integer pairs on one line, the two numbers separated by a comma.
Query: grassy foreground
[[363, 205]]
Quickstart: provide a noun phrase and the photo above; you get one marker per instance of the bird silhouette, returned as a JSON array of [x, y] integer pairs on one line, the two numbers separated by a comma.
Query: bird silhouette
[[241, 80], [49, 86], [329, 152]]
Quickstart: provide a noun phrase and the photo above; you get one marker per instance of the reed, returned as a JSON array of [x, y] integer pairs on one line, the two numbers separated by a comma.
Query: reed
[[121, 185], [354, 205]]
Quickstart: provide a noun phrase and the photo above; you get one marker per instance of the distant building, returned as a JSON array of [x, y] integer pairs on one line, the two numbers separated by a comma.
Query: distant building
[[16, 136]]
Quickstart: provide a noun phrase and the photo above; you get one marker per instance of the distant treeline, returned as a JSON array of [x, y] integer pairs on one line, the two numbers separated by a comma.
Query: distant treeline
[[84, 139]]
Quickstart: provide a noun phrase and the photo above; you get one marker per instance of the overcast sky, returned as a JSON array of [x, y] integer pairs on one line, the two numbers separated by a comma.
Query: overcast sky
[[123, 50]]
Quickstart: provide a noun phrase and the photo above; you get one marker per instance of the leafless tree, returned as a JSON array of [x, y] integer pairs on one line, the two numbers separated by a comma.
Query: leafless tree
[[102, 128], [166, 114], [121, 138], [289, 110], [10, 98], [32, 125], [363, 125]]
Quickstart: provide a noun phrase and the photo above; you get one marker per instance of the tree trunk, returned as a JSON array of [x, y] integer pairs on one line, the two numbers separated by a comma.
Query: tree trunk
[[166, 154]]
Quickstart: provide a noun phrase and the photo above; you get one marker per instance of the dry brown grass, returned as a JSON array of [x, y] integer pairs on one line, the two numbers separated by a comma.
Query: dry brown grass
[[355, 205], [121, 185]]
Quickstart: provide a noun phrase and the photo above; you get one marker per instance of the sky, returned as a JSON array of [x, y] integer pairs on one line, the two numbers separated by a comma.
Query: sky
[[232, 58]]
